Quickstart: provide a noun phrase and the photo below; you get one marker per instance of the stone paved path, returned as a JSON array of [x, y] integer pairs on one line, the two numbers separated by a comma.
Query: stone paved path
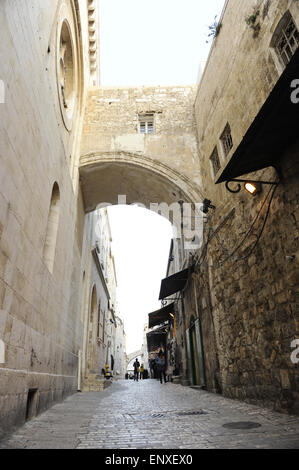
[[146, 414]]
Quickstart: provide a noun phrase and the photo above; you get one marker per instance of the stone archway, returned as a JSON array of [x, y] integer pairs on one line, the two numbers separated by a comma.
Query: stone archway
[[157, 168], [106, 175], [132, 356], [118, 159]]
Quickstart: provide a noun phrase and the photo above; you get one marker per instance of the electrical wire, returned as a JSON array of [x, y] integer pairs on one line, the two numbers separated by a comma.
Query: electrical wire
[[262, 229], [230, 255]]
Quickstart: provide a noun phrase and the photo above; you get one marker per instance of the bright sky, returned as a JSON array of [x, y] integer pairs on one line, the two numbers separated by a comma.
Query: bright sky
[[141, 243], [162, 42]]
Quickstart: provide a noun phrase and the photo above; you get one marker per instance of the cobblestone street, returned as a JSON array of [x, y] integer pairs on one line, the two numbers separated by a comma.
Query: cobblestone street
[[148, 415]]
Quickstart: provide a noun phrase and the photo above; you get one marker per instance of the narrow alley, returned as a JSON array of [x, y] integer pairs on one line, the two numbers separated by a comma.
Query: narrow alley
[[149, 224], [148, 415]]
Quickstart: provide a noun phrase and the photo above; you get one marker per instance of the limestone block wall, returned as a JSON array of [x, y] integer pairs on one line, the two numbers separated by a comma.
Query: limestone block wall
[[99, 333], [253, 293], [119, 350], [40, 321], [96, 347], [241, 71], [111, 125]]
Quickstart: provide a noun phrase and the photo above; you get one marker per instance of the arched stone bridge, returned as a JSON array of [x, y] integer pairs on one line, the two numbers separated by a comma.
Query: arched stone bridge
[[132, 356], [116, 159]]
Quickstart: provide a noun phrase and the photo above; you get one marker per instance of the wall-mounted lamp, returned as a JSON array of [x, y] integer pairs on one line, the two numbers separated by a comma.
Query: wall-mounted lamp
[[252, 187]]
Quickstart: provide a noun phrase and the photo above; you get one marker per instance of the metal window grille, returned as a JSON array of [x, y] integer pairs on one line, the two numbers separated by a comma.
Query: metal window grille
[[226, 139], [214, 158], [288, 42], [146, 124]]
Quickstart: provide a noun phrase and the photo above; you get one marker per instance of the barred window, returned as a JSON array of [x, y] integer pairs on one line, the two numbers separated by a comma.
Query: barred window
[[146, 123], [287, 41], [226, 140], [215, 162]]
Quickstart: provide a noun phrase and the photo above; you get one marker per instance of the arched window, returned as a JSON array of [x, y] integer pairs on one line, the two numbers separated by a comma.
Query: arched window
[[82, 297], [99, 321], [93, 311], [52, 229], [104, 319], [285, 39], [93, 307], [66, 62]]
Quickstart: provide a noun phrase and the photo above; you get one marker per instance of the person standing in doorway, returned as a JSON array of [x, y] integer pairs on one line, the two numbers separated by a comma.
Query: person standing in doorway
[[160, 362], [136, 366]]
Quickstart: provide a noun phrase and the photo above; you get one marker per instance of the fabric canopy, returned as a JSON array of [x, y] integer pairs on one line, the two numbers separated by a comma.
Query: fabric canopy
[[174, 283], [160, 316]]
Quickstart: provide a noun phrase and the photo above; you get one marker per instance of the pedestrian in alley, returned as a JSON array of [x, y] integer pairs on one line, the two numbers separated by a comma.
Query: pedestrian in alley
[[160, 363], [136, 366], [152, 366], [141, 371]]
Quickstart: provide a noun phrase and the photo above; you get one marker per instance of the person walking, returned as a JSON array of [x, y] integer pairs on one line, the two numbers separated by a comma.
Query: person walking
[[160, 363], [136, 366], [152, 366], [141, 371]]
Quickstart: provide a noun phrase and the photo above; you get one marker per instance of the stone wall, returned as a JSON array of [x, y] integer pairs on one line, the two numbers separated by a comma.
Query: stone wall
[[254, 292], [146, 167], [40, 306]]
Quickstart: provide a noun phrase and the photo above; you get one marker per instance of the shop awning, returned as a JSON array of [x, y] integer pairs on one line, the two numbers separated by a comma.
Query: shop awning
[[156, 339], [160, 316], [274, 128], [175, 283]]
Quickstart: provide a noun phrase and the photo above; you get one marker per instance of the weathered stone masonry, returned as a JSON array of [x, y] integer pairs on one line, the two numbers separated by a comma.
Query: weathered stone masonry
[[248, 308], [254, 300]]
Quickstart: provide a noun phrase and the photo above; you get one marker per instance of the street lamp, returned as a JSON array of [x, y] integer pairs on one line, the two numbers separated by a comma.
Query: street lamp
[[253, 188]]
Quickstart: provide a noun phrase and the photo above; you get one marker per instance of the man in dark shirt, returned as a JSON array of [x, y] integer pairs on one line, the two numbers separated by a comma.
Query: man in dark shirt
[[136, 366]]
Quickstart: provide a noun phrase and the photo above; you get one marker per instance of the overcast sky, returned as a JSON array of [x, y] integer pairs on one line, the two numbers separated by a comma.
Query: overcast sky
[[141, 243], [162, 42]]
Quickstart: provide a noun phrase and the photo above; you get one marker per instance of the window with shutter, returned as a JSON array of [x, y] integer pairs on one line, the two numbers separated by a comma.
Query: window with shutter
[[215, 162], [146, 123], [287, 41], [226, 140]]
